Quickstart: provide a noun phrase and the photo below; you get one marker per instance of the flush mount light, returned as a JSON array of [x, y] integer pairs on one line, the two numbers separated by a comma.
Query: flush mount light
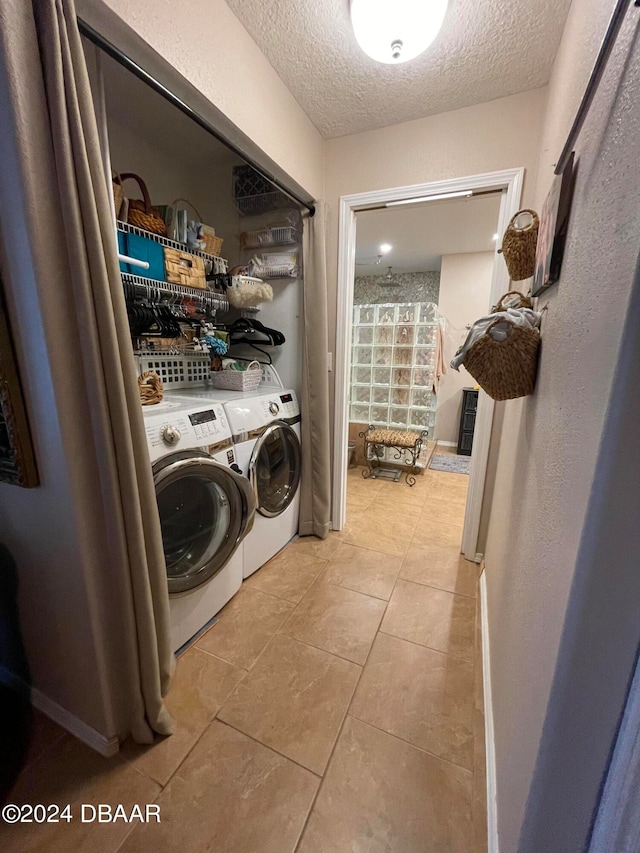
[[385, 248], [439, 197], [395, 31]]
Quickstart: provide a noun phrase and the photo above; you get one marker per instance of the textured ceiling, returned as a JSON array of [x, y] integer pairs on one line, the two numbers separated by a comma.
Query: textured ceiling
[[486, 49], [421, 234]]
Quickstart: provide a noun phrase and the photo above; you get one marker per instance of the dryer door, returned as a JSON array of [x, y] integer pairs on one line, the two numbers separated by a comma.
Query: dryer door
[[274, 469], [205, 512]]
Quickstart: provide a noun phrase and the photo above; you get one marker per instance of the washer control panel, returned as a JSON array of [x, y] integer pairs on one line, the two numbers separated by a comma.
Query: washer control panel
[[185, 428]]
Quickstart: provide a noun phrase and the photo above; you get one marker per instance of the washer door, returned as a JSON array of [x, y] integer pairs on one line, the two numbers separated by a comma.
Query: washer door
[[205, 512], [274, 469]]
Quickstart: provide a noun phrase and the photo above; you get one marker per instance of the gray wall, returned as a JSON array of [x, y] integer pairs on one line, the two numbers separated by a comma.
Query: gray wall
[[563, 538], [411, 287]]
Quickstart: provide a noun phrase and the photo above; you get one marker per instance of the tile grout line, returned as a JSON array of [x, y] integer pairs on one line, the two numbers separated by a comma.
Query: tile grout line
[[222, 660], [319, 649], [413, 745], [457, 657], [335, 743], [267, 746], [430, 648]]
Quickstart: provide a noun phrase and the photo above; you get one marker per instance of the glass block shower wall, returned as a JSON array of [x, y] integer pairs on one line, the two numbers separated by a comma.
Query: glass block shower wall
[[392, 362]]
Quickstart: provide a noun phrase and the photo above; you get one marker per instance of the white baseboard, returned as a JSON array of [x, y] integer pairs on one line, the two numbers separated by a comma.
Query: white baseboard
[[446, 443], [105, 746], [492, 812]]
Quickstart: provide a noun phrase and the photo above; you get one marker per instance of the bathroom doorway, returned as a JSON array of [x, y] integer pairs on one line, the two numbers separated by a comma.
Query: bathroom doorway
[[417, 210]]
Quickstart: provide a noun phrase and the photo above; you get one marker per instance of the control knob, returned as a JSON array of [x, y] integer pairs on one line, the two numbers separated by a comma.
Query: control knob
[[274, 408], [170, 434], [236, 468]]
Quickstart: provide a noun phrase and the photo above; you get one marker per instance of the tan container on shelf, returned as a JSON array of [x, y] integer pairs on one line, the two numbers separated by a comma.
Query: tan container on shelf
[[185, 269], [213, 243]]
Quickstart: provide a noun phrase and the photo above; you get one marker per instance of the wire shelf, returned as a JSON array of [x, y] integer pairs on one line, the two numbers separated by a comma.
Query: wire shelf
[[157, 290], [218, 265]]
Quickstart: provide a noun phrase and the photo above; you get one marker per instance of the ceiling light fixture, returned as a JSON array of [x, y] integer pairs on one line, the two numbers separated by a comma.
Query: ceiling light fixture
[[395, 31], [385, 248], [387, 280], [496, 236], [440, 197]]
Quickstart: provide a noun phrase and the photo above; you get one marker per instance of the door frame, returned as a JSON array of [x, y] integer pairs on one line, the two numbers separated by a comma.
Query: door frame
[[508, 180]]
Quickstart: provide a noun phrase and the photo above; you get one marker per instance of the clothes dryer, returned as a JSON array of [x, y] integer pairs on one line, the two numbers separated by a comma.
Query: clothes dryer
[[266, 435]]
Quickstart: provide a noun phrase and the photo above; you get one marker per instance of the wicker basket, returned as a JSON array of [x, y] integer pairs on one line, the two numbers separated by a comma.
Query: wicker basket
[[519, 246], [518, 300], [184, 268], [213, 243], [505, 369], [141, 212], [118, 193], [150, 388], [238, 380]]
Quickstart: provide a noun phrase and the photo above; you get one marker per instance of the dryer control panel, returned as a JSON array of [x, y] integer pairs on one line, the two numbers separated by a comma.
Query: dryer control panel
[[280, 407], [253, 413]]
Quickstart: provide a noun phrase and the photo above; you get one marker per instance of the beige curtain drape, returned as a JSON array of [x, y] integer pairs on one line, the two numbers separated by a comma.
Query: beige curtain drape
[[315, 500], [67, 215]]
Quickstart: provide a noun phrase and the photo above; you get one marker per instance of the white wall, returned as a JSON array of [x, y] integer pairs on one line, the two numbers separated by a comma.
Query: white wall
[[561, 556], [465, 295]]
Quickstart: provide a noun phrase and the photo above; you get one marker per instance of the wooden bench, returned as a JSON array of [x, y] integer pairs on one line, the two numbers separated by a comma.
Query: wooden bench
[[406, 443]]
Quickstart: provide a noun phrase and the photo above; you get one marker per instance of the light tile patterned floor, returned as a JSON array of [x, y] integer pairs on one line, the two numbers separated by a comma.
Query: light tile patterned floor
[[335, 706]]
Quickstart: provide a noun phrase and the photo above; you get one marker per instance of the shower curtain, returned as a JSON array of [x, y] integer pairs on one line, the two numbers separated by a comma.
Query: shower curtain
[[72, 242]]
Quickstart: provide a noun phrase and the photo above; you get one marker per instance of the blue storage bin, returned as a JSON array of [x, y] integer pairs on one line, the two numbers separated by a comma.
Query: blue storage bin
[[142, 249]]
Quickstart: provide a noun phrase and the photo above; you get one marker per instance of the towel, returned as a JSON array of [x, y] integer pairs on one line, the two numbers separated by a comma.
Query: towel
[[440, 368]]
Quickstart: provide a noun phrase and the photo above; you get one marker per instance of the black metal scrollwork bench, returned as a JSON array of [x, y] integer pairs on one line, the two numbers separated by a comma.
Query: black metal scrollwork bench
[[406, 443]]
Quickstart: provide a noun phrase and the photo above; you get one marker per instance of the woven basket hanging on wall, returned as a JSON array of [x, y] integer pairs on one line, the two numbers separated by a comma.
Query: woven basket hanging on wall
[[141, 212], [512, 299], [519, 246], [505, 369]]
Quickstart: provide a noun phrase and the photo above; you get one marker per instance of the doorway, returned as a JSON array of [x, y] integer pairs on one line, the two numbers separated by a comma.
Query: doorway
[[509, 184]]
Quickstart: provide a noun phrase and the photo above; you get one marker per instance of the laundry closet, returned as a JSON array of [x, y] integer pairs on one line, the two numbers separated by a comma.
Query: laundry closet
[[210, 254], [183, 166]]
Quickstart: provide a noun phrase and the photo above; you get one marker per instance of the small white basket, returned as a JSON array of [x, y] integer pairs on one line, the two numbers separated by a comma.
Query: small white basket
[[238, 380], [176, 371], [276, 265], [272, 236]]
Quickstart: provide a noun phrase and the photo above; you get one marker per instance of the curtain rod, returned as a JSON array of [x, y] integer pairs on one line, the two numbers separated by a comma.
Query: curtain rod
[[594, 81], [126, 61]]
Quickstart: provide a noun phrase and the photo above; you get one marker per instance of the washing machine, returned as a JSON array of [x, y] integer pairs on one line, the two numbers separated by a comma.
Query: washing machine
[[206, 508], [266, 434]]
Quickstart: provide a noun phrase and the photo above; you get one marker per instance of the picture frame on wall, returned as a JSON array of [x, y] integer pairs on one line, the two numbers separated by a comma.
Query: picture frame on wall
[[552, 234], [17, 459]]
